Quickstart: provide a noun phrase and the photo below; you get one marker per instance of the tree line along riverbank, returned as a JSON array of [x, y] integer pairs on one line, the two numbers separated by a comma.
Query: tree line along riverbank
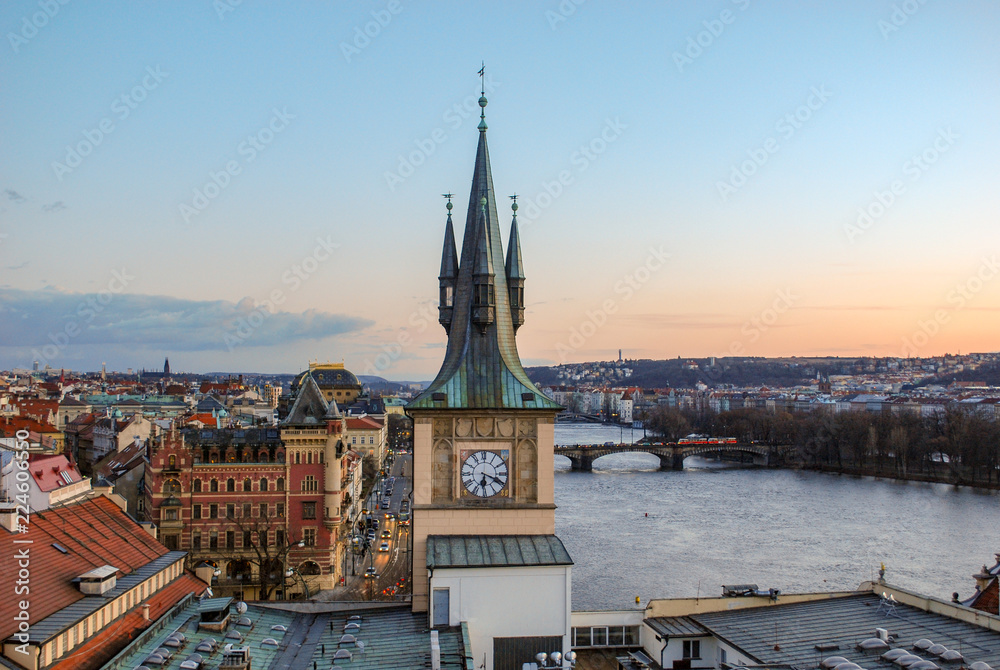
[[952, 446]]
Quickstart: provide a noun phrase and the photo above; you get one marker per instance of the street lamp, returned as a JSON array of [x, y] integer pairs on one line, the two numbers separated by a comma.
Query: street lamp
[[556, 659], [292, 571]]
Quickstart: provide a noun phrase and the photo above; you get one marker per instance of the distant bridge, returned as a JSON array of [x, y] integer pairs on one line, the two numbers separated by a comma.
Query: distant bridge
[[574, 417], [672, 454]]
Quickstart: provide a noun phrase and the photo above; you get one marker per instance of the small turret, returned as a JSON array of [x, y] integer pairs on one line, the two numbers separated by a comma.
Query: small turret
[[515, 276], [449, 273]]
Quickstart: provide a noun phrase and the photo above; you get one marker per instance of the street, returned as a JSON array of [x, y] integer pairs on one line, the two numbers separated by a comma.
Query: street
[[392, 567]]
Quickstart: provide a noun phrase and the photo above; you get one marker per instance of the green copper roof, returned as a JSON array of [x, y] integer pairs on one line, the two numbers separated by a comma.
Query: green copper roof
[[492, 551], [481, 368]]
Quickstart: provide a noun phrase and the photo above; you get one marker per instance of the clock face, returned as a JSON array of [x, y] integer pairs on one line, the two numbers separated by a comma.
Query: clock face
[[484, 474]]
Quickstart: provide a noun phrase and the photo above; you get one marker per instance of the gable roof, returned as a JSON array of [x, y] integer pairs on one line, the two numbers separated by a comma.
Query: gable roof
[[310, 406]]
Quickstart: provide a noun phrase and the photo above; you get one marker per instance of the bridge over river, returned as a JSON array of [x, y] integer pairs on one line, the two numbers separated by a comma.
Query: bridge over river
[[672, 454]]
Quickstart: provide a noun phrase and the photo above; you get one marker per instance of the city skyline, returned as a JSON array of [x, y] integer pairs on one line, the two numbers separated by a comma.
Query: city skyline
[[247, 188]]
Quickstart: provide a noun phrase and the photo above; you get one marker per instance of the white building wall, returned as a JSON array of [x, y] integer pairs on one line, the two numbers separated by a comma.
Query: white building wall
[[506, 602]]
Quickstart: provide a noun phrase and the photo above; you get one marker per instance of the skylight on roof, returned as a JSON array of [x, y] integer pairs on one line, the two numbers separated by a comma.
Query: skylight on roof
[[61, 548]]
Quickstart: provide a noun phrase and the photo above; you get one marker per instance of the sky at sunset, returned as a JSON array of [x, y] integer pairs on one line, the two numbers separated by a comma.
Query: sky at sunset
[[248, 188]]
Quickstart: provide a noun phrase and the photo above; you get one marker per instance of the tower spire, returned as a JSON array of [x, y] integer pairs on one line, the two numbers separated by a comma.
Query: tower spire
[[481, 367]]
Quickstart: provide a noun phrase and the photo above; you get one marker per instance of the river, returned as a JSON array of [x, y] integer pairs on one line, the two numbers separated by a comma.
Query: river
[[714, 524]]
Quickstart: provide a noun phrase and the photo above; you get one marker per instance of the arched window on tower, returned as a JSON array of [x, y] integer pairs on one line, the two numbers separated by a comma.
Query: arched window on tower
[[230, 485], [263, 483], [196, 486], [247, 485]]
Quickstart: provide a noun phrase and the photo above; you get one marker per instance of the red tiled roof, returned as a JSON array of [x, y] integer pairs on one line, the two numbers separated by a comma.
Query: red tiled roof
[[363, 423], [11, 424], [116, 636], [989, 599], [37, 409], [94, 532], [47, 472]]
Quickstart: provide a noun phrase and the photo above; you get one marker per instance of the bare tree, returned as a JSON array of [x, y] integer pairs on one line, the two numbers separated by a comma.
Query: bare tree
[[259, 540]]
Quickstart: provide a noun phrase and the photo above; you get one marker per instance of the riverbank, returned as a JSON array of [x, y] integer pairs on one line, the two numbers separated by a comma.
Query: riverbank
[[947, 477]]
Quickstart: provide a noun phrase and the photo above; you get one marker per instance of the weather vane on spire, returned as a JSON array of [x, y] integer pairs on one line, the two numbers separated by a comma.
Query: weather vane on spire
[[482, 99]]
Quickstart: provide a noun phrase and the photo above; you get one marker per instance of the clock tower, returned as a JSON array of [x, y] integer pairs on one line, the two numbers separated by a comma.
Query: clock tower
[[484, 544]]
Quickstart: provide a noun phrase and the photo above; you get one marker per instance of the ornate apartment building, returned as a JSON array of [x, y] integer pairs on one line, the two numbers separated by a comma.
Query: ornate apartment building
[[257, 503]]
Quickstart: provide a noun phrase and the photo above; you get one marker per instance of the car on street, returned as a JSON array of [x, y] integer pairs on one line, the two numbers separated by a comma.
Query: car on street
[[370, 573], [386, 502], [384, 546], [390, 515], [386, 534]]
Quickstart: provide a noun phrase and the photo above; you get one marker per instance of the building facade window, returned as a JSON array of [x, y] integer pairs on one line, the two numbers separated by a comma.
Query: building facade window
[[230, 510], [247, 485], [309, 537], [280, 484], [230, 485], [214, 486], [692, 649], [247, 510], [195, 511], [230, 539], [196, 486], [247, 539], [213, 539], [196, 540], [309, 510], [263, 483], [213, 511], [263, 510]]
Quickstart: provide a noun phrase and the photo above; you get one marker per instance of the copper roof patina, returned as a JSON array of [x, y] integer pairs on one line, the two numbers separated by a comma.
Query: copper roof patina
[[481, 368]]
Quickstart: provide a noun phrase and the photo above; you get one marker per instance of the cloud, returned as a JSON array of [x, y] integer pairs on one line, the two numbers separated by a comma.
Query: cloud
[[56, 206], [14, 195], [31, 318]]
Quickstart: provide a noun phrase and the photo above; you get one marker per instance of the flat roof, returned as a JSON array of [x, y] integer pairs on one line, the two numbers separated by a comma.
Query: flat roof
[[488, 551], [788, 634], [392, 637]]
